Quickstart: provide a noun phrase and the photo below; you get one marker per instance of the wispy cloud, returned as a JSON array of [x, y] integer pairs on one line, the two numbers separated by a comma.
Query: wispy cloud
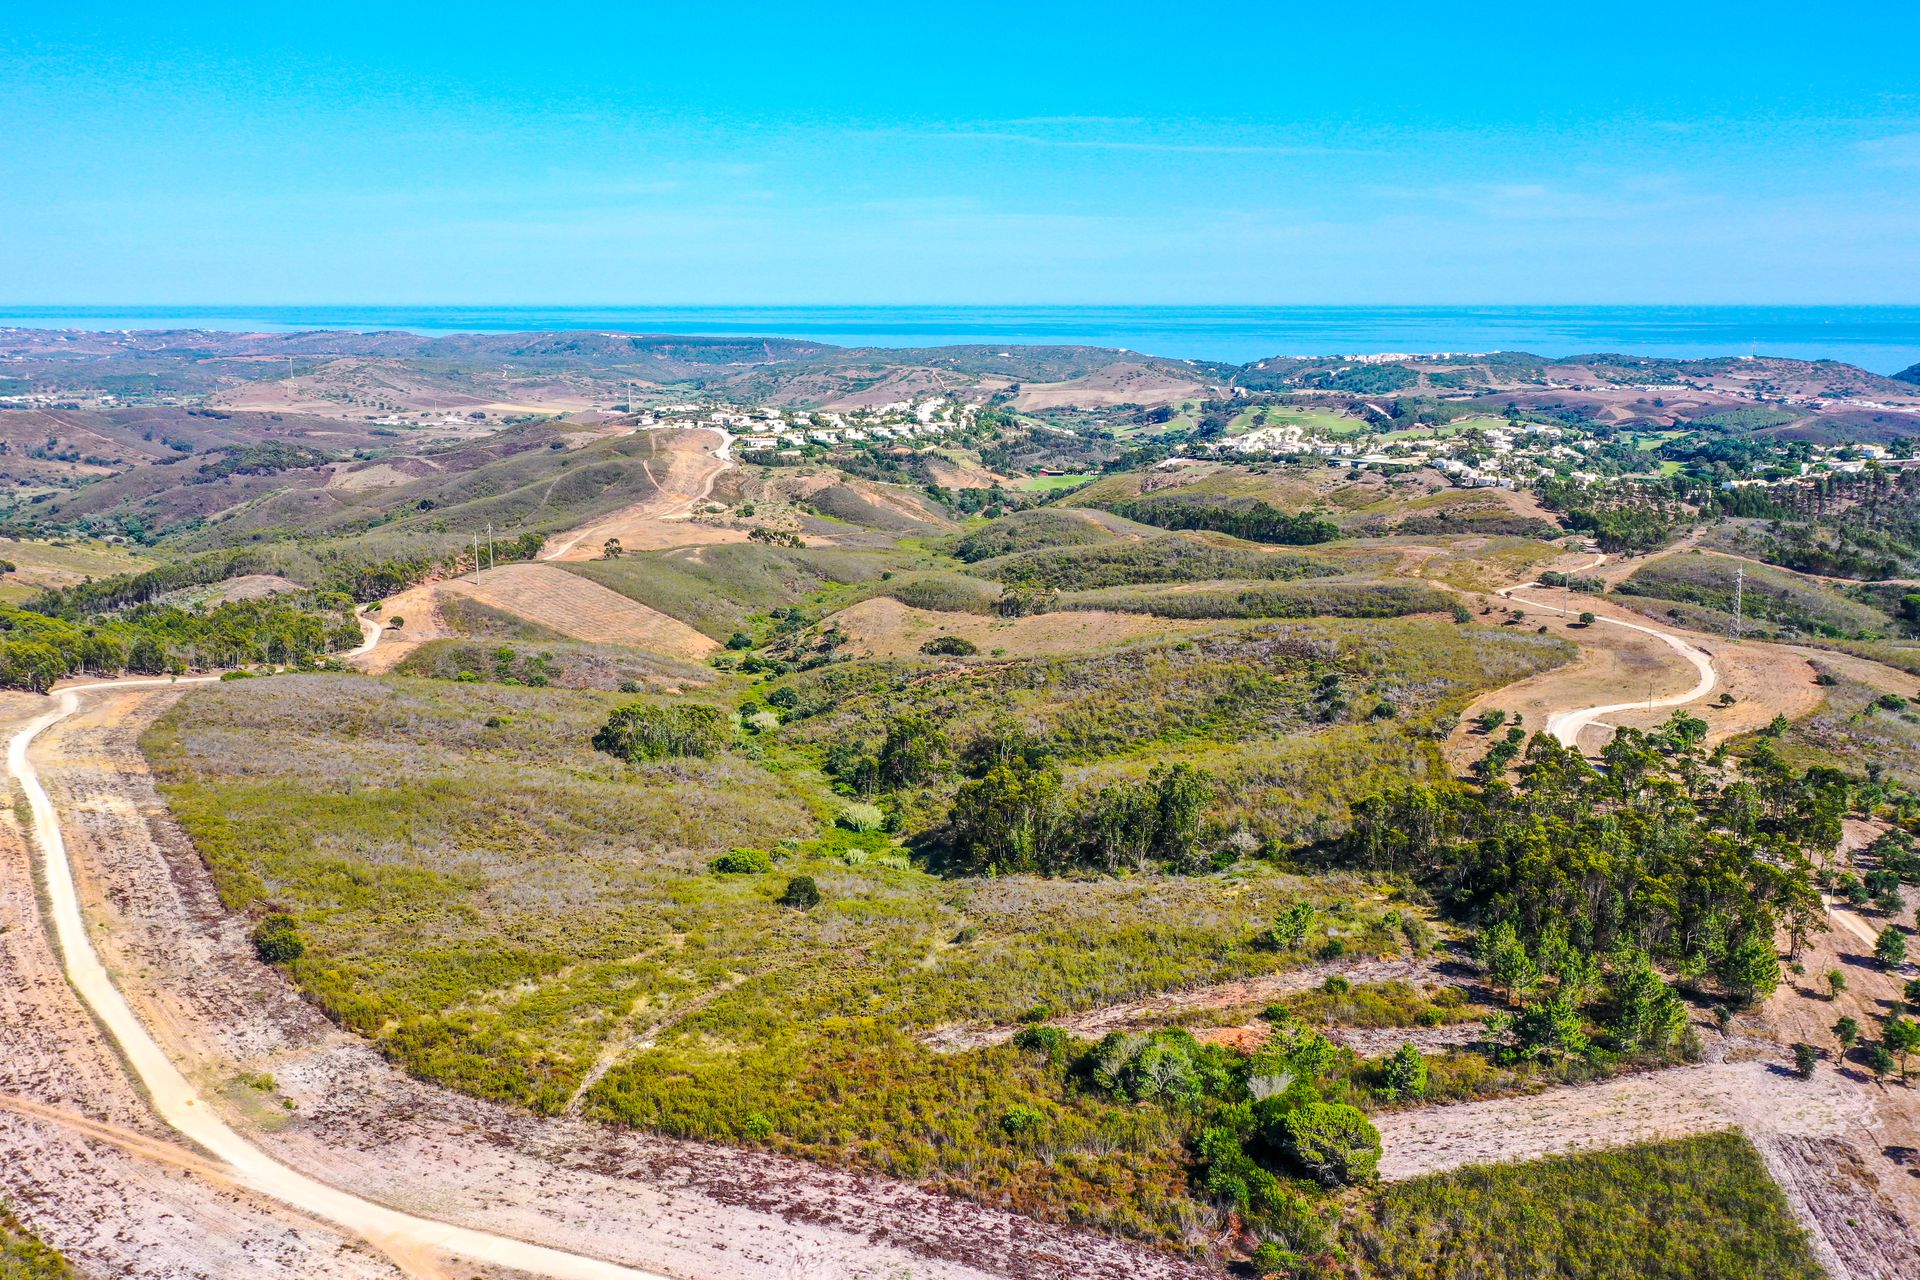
[[1049, 121], [1602, 199], [1010, 133], [1901, 151]]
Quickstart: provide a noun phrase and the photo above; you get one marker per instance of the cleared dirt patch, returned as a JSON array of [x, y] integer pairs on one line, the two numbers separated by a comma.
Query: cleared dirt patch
[[574, 606], [684, 467], [885, 628], [1617, 663], [1115, 384], [1759, 1096]]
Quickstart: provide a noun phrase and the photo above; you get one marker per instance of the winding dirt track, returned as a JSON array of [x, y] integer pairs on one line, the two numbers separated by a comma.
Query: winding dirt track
[[403, 1237], [1567, 725]]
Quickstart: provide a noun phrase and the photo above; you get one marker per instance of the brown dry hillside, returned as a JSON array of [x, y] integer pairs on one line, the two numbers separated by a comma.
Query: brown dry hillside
[[574, 606], [549, 597]]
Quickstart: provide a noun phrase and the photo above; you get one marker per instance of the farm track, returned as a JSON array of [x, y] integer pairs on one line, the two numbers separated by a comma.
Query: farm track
[[691, 474], [1159, 1010]]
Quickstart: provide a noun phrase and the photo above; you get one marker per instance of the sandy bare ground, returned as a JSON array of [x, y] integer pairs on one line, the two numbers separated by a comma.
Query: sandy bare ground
[[546, 594], [693, 461], [683, 1209], [1633, 1108], [1658, 668]]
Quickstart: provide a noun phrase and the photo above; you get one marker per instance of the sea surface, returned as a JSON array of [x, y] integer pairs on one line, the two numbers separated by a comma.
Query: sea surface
[[1882, 339]]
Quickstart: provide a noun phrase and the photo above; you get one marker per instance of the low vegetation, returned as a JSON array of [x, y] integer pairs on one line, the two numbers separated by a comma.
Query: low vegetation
[[1026, 531], [1772, 600], [1263, 733], [565, 664], [495, 904], [1252, 519], [23, 1257], [1168, 558], [1695, 1209], [1320, 599]]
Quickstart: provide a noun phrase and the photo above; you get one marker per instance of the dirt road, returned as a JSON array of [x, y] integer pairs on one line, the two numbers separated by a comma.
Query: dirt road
[[1567, 725], [414, 1243], [690, 476]]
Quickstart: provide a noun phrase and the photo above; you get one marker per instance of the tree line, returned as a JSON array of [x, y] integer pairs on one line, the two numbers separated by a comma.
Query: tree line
[[1256, 520], [37, 649]]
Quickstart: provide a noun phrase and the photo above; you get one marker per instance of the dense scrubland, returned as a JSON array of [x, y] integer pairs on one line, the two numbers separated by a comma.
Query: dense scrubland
[[1285, 722], [497, 905]]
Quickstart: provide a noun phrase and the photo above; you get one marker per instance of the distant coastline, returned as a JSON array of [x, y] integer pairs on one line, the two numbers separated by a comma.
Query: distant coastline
[[1882, 339]]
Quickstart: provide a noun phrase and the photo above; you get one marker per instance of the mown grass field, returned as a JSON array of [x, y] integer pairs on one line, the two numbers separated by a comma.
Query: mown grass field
[[1051, 484], [1696, 1209]]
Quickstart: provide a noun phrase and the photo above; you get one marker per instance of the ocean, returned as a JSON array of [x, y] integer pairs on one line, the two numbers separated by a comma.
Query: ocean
[[1882, 339]]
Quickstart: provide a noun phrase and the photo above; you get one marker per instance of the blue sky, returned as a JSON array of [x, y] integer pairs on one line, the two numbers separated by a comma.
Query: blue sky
[[1037, 153]]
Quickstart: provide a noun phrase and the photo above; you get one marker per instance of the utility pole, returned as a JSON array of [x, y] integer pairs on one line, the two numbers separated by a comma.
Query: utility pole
[[1739, 598], [490, 560]]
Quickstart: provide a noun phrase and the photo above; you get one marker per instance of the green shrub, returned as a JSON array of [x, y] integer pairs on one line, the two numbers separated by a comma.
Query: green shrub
[[862, 818], [1404, 1075], [277, 940], [802, 894], [1331, 1142], [1042, 1039], [950, 646], [1020, 1120], [743, 862], [641, 731]]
